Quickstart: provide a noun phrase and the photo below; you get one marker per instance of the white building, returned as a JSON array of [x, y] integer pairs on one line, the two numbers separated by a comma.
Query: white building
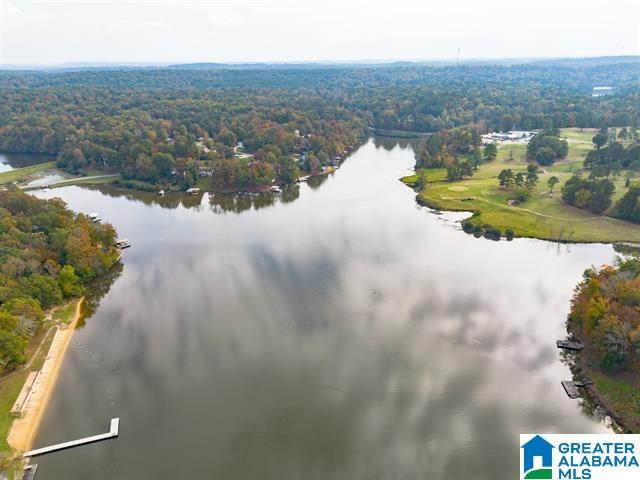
[[510, 136], [602, 91]]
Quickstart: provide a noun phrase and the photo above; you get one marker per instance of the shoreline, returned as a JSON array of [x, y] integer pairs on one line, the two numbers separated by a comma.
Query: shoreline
[[582, 369], [475, 213], [24, 429]]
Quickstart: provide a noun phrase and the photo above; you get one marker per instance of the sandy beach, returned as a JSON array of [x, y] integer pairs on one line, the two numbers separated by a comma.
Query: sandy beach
[[24, 429]]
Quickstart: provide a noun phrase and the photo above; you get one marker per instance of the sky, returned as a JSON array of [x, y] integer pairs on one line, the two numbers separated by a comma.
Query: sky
[[52, 32]]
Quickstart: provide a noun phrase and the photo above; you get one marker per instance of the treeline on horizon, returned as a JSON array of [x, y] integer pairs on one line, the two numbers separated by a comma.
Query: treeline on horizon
[[164, 126], [48, 254]]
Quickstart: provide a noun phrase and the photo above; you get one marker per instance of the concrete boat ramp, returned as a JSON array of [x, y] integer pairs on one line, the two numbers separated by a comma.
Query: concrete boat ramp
[[112, 433]]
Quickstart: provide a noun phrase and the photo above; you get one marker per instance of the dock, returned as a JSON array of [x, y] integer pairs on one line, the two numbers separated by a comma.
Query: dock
[[112, 433], [571, 389], [574, 345], [584, 383]]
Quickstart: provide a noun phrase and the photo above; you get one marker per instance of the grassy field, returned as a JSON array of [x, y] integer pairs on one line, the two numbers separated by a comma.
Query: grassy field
[[544, 215], [623, 397], [26, 174], [89, 180], [21, 174], [10, 387]]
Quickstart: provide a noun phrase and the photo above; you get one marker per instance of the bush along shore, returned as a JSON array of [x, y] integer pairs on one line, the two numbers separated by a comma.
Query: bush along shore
[[605, 317]]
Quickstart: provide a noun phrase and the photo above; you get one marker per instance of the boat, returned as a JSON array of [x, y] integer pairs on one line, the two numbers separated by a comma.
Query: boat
[[193, 191], [123, 243], [275, 189], [94, 217], [161, 193]]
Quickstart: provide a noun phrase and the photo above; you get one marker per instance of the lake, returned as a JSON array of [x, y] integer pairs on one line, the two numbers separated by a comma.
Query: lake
[[11, 161], [337, 331]]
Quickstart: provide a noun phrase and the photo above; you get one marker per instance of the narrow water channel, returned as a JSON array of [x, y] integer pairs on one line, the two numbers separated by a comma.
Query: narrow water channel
[[334, 331]]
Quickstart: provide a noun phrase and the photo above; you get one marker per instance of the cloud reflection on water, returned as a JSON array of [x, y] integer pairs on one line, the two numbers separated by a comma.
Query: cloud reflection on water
[[346, 334]]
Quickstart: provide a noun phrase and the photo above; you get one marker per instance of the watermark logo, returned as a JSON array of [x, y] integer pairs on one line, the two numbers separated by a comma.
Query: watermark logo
[[537, 461], [579, 457]]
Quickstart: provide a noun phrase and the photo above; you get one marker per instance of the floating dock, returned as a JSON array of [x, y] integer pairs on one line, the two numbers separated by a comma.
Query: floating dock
[[571, 389], [112, 433], [574, 345]]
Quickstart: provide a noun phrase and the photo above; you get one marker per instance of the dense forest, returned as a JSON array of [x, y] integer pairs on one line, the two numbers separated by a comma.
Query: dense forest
[[47, 254], [605, 317], [251, 127], [605, 312]]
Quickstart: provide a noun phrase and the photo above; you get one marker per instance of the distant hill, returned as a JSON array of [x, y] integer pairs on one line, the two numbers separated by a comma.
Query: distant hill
[[589, 62]]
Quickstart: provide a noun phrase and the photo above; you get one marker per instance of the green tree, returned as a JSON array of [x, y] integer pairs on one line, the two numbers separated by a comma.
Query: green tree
[[600, 140], [69, 282], [505, 178], [552, 182], [12, 348], [490, 151]]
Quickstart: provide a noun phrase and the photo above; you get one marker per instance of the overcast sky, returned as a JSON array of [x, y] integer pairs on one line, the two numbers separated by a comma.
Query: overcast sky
[[54, 31]]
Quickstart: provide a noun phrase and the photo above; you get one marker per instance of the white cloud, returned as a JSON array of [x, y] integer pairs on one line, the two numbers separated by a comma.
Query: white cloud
[[53, 31], [10, 14]]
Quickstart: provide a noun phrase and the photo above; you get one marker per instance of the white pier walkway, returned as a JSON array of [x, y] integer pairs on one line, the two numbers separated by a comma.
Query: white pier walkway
[[112, 433]]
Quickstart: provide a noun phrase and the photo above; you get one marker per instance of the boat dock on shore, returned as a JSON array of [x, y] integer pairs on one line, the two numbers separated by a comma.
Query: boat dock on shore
[[112, 433], [570, 344], [570, 388]]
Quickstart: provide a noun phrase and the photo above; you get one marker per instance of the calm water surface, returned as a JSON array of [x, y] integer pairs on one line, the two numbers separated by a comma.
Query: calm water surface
[[339, 332]]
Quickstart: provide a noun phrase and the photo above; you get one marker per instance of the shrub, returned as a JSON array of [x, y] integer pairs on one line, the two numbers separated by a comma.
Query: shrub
[[467, 227], [492, 233], [522, 196]]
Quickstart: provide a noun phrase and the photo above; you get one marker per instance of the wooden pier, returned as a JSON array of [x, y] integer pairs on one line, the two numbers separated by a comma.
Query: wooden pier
[[571, 389], [574, 345], [112, 433]]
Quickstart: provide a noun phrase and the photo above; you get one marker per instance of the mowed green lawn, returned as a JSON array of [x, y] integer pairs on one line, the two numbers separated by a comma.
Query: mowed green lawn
[[20, 174], [544, 215]]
